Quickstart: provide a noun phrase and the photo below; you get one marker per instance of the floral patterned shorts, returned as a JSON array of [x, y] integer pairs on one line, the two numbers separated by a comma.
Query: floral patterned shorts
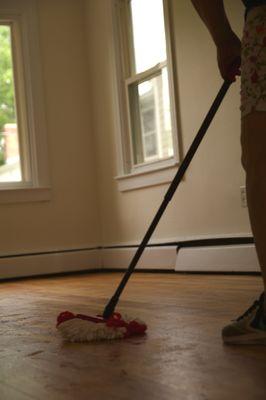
[[253, 64]]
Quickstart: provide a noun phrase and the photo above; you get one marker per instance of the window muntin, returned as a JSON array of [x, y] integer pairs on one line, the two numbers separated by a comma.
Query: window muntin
[[10, 160]]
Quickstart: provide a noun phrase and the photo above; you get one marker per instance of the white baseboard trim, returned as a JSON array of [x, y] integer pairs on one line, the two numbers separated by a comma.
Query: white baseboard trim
[[162, 258], [49, 263], [233, 258]]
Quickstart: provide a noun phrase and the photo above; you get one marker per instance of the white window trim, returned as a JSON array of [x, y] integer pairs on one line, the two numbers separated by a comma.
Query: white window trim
[[23, 18], [161, 171], [152, 176]]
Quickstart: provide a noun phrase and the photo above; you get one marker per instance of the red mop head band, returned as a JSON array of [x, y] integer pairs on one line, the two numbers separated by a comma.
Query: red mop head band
[[133, 327]]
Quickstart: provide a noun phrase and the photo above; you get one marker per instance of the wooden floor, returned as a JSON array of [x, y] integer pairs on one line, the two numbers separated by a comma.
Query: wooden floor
[[181, 357]]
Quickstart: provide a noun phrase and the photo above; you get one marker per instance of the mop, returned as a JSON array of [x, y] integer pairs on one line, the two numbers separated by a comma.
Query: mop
[[112, 325]]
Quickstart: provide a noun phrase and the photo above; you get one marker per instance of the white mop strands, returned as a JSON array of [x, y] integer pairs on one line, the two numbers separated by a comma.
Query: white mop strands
[[83, 328]]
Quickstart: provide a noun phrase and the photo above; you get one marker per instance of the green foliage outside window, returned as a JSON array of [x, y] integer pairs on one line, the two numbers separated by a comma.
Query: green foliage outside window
[[7, 103]]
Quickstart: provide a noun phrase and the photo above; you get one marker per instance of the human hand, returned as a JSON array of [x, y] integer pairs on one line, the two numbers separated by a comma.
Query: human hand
[[229, 56]]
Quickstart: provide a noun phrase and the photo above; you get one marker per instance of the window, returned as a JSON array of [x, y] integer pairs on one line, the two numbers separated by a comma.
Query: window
[[10, 160], [146, 84], [23, 149]]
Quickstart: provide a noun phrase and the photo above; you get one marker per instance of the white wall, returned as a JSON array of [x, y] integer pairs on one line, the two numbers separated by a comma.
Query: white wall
[[70, 218], [208, 201], [78, 71]]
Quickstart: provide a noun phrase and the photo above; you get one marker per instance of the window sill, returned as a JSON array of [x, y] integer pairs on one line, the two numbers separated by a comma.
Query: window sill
[[22, 195], [155, 177]]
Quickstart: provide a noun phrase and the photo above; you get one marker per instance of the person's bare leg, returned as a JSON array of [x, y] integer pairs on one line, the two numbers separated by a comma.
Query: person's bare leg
[[250, 327], [253, 140]]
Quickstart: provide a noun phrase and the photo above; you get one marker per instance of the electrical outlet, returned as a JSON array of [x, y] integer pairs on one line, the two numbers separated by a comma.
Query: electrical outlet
[[243, 195]]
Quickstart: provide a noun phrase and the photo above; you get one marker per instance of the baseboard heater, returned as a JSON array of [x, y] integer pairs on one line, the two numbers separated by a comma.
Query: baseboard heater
[[236, 254], [224, 254]]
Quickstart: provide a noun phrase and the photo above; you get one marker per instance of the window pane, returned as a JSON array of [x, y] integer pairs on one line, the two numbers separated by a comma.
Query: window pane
[[148, 33], [10, 168], [151, 119]]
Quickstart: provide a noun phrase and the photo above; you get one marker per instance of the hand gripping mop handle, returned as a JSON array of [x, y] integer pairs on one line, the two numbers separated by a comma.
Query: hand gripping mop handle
[[110, 307]]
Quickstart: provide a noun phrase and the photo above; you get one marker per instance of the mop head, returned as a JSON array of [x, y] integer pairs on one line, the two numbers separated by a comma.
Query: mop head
[[83, 328]]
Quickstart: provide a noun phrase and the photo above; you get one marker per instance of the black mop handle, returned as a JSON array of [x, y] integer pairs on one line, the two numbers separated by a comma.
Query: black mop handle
[[110, 307]]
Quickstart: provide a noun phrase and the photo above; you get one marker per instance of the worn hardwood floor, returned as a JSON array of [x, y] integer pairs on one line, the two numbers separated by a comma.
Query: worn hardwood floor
[[181, 357]]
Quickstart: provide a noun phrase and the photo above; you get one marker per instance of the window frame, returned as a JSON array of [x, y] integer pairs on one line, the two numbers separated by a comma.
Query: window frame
[[22, 18], [123, 56]]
